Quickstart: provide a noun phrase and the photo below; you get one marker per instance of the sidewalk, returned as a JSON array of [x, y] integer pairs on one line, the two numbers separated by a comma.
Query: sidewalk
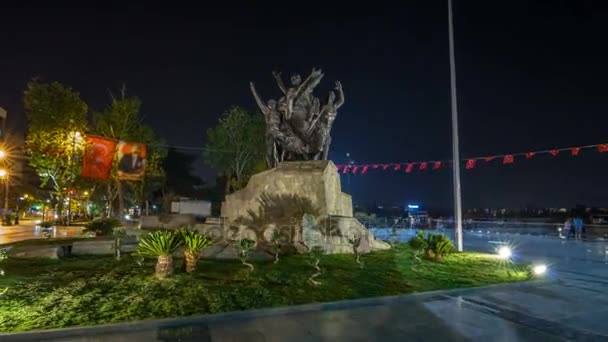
[[27, 230]]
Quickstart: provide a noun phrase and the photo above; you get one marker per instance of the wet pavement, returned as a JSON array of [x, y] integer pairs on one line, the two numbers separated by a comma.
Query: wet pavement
[[571, 304], [28, 230]]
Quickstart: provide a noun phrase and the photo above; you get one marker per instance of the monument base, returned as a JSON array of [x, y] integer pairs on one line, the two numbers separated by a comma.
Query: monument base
[[303, 201]]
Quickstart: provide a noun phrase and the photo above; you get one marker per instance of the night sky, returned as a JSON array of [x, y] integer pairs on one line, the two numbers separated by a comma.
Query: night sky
[[530, 77]]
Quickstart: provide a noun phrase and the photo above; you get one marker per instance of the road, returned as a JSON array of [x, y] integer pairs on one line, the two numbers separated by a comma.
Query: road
[[571, 304], [28, 230]]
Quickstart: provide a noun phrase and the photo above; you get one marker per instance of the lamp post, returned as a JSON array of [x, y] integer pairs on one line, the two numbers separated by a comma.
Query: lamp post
[[455, 143], [4, 177], [75, 136]]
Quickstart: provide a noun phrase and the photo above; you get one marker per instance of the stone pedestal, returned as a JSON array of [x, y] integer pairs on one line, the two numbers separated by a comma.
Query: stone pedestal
[[271, 199]]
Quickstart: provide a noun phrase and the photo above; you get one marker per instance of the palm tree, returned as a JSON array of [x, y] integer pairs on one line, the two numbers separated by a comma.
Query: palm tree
[[194, 242], [160, 245]]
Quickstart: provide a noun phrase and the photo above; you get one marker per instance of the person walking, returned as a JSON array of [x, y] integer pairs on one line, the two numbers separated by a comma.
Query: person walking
[[578, 228], [568, 228]]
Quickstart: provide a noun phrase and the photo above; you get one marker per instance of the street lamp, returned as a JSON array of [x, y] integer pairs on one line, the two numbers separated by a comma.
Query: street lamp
[[455, 148], [4, 177], [76, 138]]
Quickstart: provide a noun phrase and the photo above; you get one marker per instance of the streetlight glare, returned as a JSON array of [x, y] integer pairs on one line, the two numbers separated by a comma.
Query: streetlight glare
[[504, 252], [3, 173], [540, 269], [2, 154]]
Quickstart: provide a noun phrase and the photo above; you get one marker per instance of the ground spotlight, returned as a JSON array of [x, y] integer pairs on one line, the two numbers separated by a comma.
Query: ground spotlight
[[504, 252], [539, 269]]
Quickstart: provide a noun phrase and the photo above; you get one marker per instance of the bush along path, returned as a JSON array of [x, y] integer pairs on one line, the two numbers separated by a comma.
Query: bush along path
[[76, 291]]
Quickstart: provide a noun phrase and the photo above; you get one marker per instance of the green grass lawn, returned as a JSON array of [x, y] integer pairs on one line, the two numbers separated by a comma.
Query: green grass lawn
[[45, 294]]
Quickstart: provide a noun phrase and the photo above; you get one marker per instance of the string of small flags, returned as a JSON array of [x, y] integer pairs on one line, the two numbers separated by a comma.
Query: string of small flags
[[469, 163]]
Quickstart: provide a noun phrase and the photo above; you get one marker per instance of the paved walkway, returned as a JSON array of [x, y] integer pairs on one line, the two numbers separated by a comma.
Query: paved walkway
[[572, 304], [28, 230]]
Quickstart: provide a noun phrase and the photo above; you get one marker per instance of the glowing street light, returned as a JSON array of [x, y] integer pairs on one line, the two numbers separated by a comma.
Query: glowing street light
[[2, 154], [504, 252], [539, 269], [3, 173]]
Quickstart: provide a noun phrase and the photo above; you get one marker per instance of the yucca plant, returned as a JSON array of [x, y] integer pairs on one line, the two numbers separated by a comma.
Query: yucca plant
[[160, 245], [194, 242]]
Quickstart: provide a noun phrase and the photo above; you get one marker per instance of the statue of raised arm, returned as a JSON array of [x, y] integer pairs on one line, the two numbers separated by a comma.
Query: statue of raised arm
[[277, 76]]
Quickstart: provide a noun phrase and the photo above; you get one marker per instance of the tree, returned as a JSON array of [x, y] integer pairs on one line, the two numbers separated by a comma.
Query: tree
[[122, 120], [56, 122], [235, 147], [180, 178]]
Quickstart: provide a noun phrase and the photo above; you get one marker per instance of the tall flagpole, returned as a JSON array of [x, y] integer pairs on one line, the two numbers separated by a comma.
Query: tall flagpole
[[455, 147]]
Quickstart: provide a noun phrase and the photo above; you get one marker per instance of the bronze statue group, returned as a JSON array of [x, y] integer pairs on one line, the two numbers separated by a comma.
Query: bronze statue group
[[298, 125]]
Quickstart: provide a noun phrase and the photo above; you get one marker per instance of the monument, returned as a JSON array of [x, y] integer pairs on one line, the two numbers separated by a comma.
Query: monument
[[300, 194]]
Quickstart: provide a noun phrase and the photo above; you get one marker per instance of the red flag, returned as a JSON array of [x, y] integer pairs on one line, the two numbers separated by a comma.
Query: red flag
[[338, 167], [471, 164], [345, 169], [375, 166], [489, 159], [355, 168], [602, 148], [423, 166], [397, 167], [575, 151], [436, 165], [409, 167], [554, 152], [529, 155], [385, 167], [98, 157], [508, 159], [364, 171]]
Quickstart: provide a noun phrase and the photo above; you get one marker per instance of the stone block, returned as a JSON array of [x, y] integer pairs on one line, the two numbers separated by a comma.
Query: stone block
[[42, 251], [93, 247]]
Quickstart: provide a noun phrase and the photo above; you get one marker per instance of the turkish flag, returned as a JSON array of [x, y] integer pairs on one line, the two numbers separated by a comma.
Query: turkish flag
[[471, 164], [529, 155], [436, 165], [364, 170], [397, 167], [338, 167], [409, 167], [355, 168], [345, 169], [508, 159], [602, 148], [385, 167], [375, 166], [423, 166], [554, 152], [98, 157]]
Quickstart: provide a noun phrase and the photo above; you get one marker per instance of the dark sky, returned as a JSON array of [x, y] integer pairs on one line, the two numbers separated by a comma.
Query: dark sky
[[530, 76]]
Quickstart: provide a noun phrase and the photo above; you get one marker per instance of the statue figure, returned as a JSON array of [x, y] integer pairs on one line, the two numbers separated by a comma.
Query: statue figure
[[297, 126]]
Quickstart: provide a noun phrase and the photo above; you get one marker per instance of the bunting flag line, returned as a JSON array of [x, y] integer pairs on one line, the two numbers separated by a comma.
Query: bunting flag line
[[469, 163]]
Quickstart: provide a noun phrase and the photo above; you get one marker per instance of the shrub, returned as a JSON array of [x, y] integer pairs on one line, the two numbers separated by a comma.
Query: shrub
[[160, 245], [435, 246], [195, 242], [102, 227]]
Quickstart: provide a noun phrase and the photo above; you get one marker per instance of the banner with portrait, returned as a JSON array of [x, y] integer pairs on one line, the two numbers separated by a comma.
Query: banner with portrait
[[131, 161], [98, 157]]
